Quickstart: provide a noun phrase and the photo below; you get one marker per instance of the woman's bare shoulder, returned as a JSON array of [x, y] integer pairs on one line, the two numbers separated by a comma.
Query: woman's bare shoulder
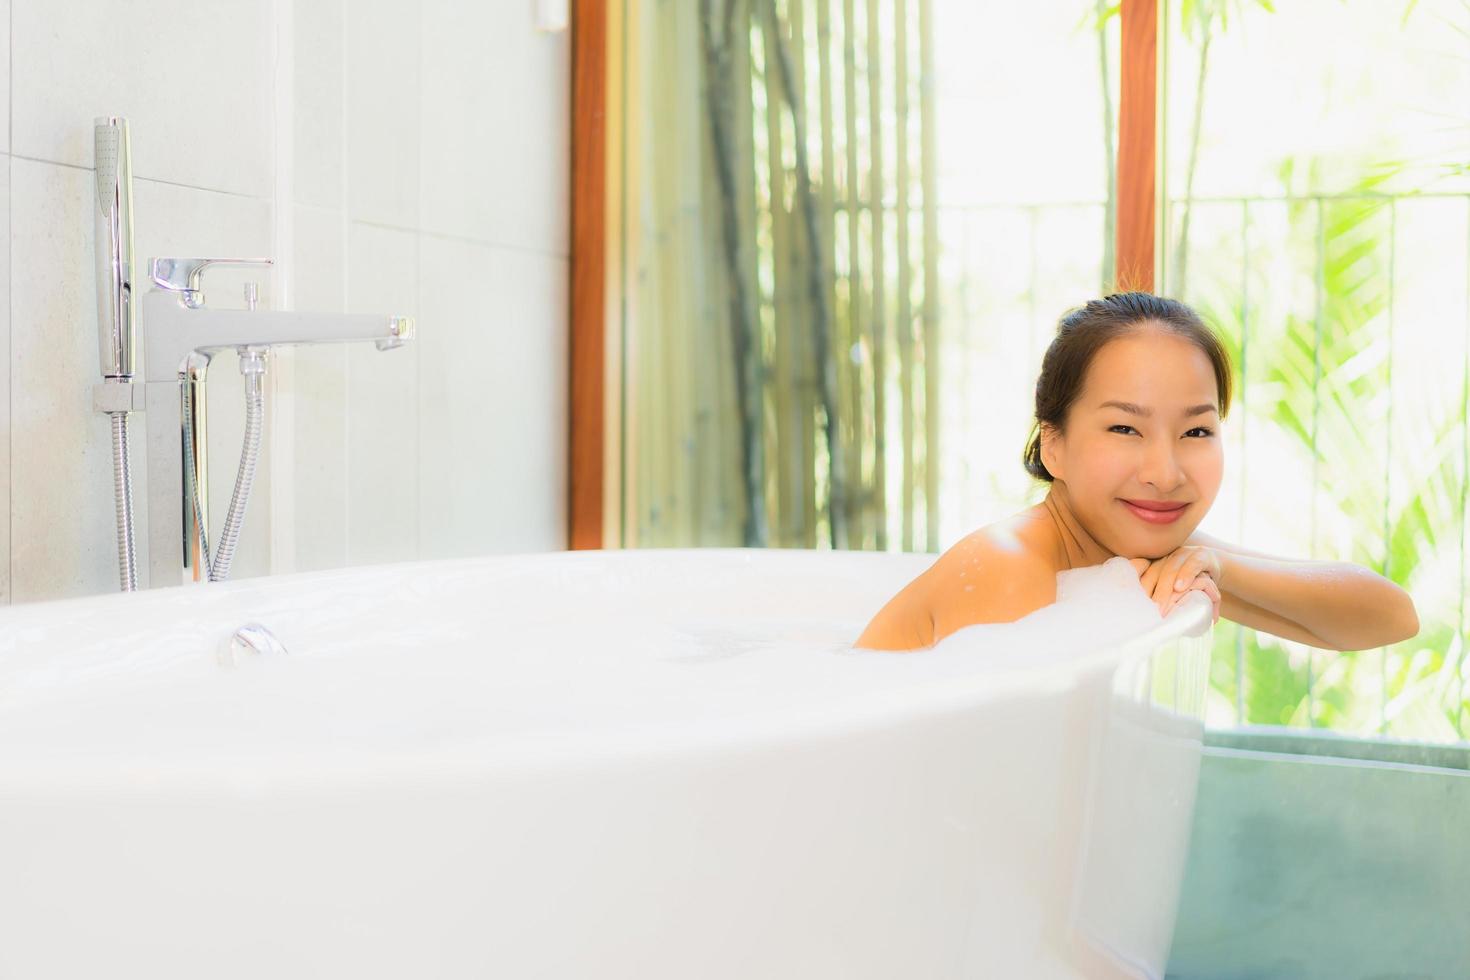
[[996, 574]]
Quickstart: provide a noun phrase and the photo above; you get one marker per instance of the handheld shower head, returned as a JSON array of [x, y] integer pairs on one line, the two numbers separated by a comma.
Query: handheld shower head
[[116, 312]]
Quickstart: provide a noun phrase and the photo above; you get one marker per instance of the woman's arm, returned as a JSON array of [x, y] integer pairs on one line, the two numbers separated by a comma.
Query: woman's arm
[[904, 623], [1332, 605]]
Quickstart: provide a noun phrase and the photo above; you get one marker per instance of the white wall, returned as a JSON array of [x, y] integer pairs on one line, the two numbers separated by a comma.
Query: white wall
[[394, 156]]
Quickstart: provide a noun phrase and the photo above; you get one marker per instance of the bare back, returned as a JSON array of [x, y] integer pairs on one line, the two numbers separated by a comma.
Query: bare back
[[997, 574]]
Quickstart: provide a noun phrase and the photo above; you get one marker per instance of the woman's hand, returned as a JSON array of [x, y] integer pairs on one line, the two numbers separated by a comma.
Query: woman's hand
[[1190, 568]]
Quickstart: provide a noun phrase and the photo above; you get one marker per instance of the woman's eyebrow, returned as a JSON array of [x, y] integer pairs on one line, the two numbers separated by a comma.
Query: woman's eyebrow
[[1133, 409]]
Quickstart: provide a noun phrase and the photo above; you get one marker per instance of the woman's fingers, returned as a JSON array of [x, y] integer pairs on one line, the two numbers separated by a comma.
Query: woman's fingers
[[1169, 579], [1155, 581], [1184, 575], [1212, 589], [1170, 567], [1201, 583], [1149, 579]]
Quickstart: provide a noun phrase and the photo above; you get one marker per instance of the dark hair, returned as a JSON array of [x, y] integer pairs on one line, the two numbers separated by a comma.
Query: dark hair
[[1084, 331]]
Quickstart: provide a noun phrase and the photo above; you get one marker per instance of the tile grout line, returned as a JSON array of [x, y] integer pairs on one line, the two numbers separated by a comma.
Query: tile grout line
[[139, 177], [466, 239], [346, 215]]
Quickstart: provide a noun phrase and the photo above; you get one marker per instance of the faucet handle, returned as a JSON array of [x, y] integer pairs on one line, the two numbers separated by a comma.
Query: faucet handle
[[183, 275]]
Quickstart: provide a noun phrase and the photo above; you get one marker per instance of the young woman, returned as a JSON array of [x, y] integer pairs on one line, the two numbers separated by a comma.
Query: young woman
[[1128, 409]]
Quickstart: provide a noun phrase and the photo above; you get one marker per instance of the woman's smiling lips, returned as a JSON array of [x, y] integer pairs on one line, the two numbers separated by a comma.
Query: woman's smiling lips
[[1155, 511]]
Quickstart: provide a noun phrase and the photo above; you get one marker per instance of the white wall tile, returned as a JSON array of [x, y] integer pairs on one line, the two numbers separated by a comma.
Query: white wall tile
[[62, 523], [193, 79], [382, 402], [383, 112], [318, 260], [64, 540], [5, 379], [186, 221], [496, 124], [319, 102], [370, 143], [5, 75], [493, 407], [319, 397]]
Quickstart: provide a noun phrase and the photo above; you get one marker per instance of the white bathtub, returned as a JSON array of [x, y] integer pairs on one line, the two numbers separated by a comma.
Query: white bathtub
[[606, 765]]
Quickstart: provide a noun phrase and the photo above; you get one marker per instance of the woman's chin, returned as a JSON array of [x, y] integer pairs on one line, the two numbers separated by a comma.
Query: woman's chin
[[1153, 546], [1162, 545]]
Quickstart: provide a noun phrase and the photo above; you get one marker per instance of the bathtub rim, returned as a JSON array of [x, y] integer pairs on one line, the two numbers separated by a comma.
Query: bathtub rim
[[502, 755]]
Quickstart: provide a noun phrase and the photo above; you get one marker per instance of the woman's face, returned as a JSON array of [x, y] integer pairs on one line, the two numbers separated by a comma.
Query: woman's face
[[1145, 430]]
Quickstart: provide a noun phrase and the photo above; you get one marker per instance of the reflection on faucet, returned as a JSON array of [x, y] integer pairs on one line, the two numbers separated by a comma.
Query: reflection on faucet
[[180, 337]]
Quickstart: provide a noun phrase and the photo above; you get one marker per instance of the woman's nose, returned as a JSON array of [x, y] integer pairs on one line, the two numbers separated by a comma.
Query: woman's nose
[[1161, 469]]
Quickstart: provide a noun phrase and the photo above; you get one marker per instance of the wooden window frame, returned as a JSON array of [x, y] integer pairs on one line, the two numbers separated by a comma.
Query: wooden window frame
[[590, 267], [1138, 117], [593, 504]]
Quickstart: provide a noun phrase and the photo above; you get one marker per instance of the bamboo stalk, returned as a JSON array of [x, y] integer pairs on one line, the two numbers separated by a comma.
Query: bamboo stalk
[[663, 415], [855, 503], [720, 59], [834, 360], [1181, 247], [879, 320], [748, 213], [791, 65], [633, 175], [930, 182], [650, 338], [903, 322], [819, 375], [719, 434], [690, 452], [788, 465], [707, 424]]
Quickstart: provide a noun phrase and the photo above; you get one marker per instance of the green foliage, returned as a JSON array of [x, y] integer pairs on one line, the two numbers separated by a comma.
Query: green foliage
[[1275, 686], [1200, 17], [1326, 383]]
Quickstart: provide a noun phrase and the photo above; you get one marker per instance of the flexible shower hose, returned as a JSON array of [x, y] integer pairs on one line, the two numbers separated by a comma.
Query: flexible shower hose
[[122, 487], [245, 477], [253, 367]]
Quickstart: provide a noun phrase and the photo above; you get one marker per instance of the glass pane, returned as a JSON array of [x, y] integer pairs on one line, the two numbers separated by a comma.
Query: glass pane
[[1317, 209], [842, 261]]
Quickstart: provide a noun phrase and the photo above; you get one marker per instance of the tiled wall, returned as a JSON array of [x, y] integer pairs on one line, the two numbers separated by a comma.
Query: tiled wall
[[392, 156]]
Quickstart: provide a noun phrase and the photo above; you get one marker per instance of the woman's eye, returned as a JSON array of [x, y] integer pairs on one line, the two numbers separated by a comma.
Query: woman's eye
[[1205, 433]]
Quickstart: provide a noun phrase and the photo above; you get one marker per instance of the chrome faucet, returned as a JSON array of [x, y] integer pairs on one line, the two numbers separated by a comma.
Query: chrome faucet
[[181, 334]]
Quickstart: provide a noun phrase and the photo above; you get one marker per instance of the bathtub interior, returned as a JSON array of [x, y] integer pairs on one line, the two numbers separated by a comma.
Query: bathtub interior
[[586, 649]]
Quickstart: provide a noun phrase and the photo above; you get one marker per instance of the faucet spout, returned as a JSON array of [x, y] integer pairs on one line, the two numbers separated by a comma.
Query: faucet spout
[[172, 331]]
